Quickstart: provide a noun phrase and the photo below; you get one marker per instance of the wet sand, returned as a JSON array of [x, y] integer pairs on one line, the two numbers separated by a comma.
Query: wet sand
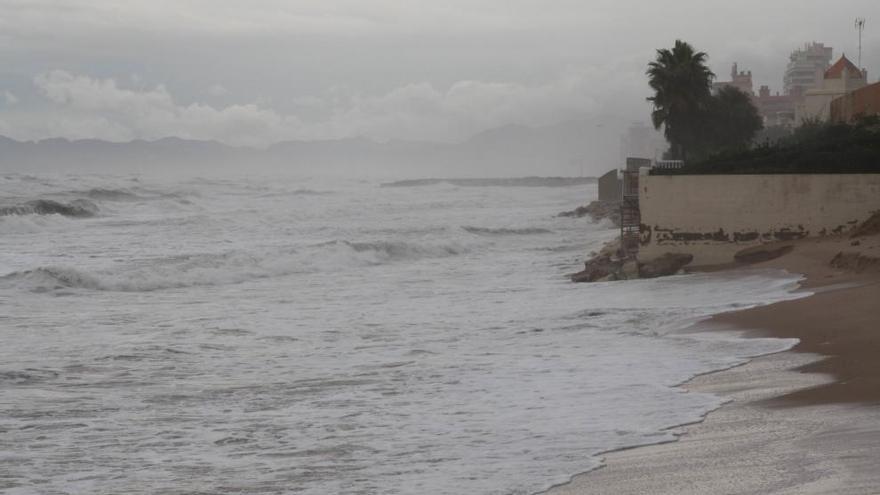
[[841, 320], [806, 421]]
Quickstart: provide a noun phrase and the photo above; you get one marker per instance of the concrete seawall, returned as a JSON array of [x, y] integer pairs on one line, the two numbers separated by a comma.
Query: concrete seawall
[[713, 217]]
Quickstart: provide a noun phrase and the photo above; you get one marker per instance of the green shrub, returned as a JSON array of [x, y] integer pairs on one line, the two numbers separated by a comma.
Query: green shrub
[[814, 148]]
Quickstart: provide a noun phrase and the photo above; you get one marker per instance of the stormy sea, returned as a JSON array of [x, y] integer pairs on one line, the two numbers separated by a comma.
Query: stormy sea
[[316, 335]]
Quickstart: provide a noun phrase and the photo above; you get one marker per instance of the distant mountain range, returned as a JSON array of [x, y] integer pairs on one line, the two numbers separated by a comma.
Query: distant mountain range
[[583, 147]]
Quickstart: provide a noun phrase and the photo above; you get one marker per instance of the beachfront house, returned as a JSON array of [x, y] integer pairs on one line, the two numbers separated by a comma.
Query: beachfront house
[[840, 79]]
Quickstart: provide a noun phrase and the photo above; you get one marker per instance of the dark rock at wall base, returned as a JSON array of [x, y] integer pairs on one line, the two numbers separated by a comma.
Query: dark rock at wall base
[[598, 268], [667, 264], [608, 265], [871, 226]]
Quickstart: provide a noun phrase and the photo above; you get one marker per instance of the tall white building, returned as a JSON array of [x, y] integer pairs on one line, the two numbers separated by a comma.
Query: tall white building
[[806, 68]]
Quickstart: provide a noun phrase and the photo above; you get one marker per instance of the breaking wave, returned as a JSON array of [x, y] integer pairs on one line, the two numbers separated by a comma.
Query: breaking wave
[[488, 231], [296, 192], [103, 194], [309, 192], [52, 277], [226, 268], [390, 251], [78, 208], [497, 182]]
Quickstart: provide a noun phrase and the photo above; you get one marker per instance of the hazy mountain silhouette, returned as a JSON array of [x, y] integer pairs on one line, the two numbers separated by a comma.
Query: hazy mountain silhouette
[[568, 148]]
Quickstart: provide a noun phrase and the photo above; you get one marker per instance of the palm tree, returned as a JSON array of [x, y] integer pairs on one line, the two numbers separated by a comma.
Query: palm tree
[[682, 87]]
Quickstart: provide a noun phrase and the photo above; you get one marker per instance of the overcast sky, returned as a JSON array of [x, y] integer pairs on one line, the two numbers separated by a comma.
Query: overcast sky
[[261, 71]]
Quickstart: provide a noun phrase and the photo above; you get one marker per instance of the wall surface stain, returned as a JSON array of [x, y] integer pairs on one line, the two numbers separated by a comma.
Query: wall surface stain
[[745, 236], [713, 217], [667, 236]]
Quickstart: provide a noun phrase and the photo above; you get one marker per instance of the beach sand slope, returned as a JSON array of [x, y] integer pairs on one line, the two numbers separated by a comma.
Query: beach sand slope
[[806, 421]]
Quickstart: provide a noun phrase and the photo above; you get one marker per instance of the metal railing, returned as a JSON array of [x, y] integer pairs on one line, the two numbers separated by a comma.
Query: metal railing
[[630, 216], [668, 164]]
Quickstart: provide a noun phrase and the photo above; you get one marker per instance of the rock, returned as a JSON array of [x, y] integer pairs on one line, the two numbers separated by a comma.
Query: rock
[[855, 262], [597, 210], [758, 254], [871, 226], [611, 249], [667, 264], [630, 270], [602, 267], [597, 268]]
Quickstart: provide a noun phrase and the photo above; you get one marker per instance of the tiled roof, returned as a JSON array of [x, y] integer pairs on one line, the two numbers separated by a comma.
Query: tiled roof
[[843, 64]]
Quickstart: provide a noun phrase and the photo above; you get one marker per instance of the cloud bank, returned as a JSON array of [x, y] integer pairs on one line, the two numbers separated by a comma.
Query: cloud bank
[[88, 107], [252, 73]]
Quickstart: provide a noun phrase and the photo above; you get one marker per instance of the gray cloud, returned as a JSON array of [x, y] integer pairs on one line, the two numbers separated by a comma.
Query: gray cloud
[[417, 111], [256, 72], [122, 114]]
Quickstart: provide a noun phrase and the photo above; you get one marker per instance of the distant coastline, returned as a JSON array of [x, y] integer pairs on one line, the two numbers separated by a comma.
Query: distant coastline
[[497, 182]]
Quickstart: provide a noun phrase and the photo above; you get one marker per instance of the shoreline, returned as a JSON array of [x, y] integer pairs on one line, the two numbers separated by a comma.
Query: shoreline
[[813, 406]]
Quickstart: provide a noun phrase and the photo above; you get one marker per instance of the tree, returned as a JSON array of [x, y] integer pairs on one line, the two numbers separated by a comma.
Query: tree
[[681, 83], [732, 121]]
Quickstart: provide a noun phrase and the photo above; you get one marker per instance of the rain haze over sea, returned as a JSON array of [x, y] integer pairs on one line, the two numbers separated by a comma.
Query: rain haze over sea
[[314, 335], [206, 288]]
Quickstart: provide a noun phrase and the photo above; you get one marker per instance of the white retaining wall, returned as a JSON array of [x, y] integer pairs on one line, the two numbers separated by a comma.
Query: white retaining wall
[[715, 216]]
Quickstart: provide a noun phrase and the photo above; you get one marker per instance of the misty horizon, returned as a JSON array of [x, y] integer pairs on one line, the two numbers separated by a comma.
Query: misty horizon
[[573, 148], [391, 71]]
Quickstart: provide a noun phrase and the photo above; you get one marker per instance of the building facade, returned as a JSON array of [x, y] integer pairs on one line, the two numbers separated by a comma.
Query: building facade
[[863, 102], [838, 80], [806, 67], [776, 110], [741, 80], [610, 187]]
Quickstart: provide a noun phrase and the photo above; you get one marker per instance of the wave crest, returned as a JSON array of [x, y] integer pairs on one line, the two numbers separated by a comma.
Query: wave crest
[[211, 269], [78, 208], [103, 194], [502, 231], [53, 277], [391, 251]]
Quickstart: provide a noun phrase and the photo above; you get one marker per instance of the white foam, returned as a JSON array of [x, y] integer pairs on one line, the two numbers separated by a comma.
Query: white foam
[[229, 268], [355, 342]]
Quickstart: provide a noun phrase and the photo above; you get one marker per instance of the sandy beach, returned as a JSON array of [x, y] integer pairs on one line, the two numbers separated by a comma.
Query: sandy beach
[[805, 421]]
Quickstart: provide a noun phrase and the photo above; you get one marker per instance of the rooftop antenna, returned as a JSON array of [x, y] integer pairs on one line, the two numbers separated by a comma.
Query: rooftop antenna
[[860, 26]]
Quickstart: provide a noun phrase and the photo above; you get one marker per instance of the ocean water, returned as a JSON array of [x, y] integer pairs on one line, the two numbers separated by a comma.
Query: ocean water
[[315, 336]]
